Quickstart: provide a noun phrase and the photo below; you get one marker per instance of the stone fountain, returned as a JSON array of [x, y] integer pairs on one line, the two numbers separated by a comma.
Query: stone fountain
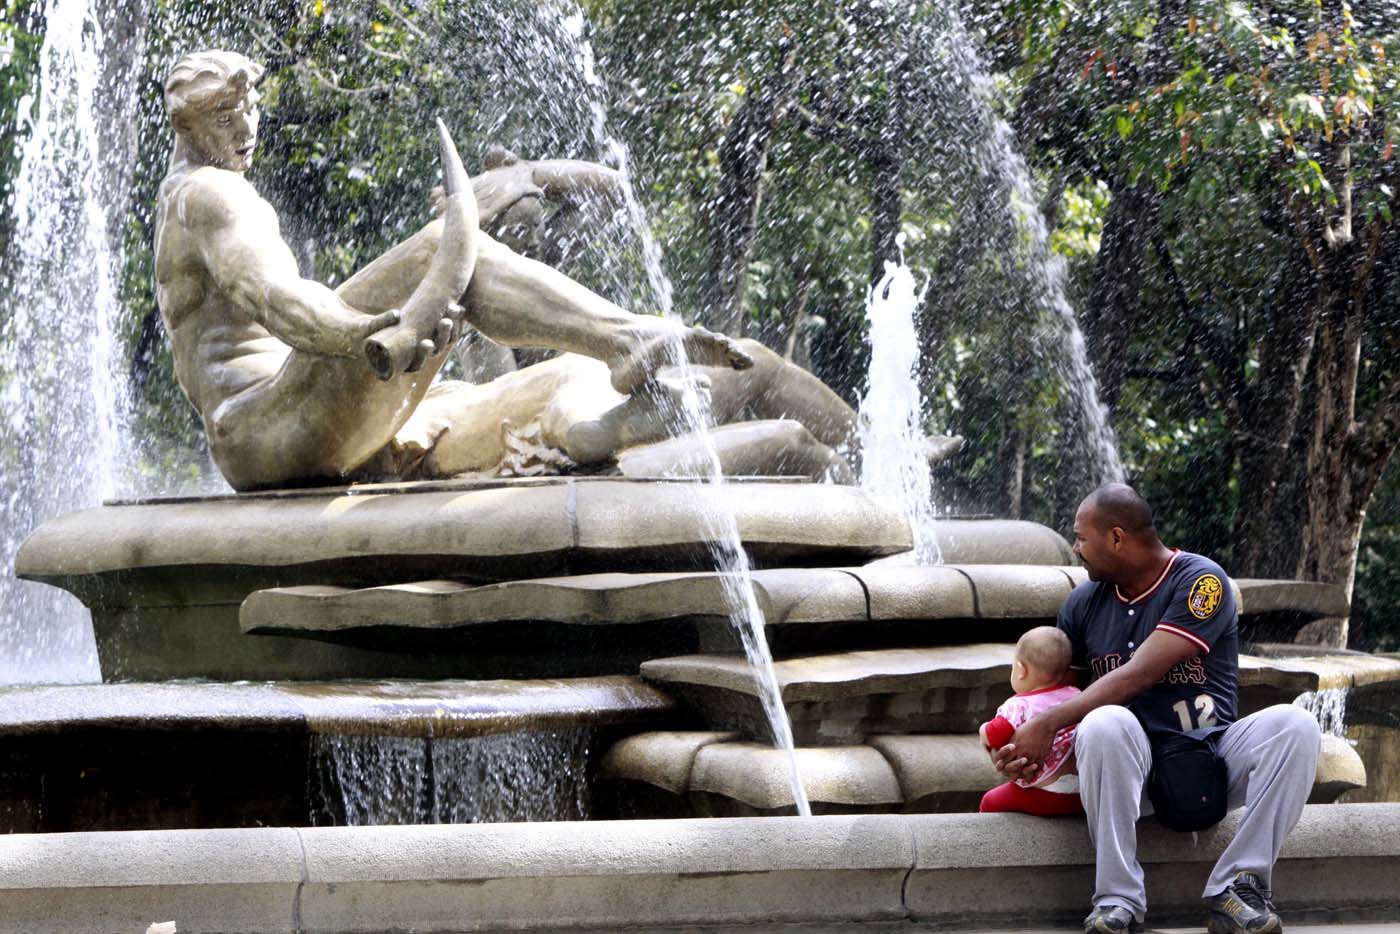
[[378, 629]]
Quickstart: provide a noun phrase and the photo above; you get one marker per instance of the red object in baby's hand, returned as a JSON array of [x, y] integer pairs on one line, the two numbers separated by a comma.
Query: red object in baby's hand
[[998, 732]]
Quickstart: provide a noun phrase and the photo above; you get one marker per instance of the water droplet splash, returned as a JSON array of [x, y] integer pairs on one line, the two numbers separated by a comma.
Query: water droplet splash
[[692, 417]]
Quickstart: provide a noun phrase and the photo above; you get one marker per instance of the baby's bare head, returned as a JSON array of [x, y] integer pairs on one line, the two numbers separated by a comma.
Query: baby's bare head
[[1043, 657]]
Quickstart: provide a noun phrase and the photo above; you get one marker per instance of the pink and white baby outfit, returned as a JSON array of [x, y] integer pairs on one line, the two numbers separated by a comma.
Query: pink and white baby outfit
[[1022, 707]]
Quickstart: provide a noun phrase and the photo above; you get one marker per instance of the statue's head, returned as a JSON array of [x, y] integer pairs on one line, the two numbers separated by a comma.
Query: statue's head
[[212, 100]]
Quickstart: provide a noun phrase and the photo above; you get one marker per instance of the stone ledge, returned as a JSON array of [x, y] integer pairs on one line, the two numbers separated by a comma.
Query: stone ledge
[[787, 596], [838, 697], [356, 708], [886, 773], [220, 549], [1310, 599], [819, 678], [931, 869]]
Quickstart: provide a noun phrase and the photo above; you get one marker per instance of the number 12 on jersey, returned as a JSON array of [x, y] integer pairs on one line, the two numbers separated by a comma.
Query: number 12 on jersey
[[1195, 714]]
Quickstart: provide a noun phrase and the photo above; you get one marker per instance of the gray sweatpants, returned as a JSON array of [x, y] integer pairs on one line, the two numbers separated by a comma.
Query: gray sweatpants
[[1272, 761]]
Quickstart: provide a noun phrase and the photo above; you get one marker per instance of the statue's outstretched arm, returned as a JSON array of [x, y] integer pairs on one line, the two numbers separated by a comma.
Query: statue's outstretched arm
[[243, 251]]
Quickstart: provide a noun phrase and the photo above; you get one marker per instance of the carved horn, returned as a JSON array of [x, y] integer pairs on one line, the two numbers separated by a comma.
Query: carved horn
[[396, 349]]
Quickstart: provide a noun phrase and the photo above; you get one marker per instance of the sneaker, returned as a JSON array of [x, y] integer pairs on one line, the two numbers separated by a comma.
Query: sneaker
[[1244, 908], [1111, 919]]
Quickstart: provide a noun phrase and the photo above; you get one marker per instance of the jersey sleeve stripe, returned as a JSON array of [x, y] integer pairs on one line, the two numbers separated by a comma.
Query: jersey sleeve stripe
[[1186, 634]]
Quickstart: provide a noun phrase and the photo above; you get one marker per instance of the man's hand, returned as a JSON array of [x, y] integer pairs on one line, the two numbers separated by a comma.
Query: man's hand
[[1010, 764], [1025, 755]]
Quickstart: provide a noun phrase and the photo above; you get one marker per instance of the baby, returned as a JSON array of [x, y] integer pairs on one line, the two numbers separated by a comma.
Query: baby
[[1038, 675]]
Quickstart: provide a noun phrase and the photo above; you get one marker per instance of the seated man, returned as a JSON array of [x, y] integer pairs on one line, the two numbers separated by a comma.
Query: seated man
[[276, 364], [1155, 629]]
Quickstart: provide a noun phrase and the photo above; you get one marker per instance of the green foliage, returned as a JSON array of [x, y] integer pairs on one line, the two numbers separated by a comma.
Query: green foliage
[[21, 38]]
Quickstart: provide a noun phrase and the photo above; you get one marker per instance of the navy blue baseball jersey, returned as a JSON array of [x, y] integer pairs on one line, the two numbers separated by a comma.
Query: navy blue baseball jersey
[[1192, 600]]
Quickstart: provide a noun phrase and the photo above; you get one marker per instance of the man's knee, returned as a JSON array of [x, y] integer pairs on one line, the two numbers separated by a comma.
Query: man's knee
[[1291, 723], [1105, 728]]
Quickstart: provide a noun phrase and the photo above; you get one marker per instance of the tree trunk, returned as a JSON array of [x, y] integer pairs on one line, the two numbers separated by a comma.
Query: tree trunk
[[1011, 461], [732, 213], [886, 207], [1108, 316], [797, 339], [1346, 456], [1265, 426], [887, 162]]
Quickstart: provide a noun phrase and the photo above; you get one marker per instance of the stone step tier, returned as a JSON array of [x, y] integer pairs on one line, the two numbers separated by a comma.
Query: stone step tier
[[838, 698], [891, 730], [165, 579], [787, 596], [804, 610], [718, 774]]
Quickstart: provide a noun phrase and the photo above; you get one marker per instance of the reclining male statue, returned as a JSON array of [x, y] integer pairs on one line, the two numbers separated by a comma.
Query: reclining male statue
[[276, 365]]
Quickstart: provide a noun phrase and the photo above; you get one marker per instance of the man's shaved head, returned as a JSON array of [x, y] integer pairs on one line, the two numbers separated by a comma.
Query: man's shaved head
[[1118, 505], [1114, 536]]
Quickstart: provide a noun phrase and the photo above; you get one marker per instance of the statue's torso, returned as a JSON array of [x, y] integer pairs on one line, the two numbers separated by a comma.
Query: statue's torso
[[220, 349]]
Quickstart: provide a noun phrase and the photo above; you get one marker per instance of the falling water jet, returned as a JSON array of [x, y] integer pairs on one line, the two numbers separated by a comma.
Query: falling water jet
[[62, 413], [692, 416], [1328, 706], [1047, 268], [376, 780]]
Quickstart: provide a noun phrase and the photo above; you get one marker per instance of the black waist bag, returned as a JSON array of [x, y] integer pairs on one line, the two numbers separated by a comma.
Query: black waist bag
[[1189, 784]]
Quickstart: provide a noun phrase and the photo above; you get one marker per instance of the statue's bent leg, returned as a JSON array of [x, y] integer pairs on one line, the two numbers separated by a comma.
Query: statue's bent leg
[[390, 278], [470, 428], [523, 303], [776, 389], [518, 302], [774, 448]]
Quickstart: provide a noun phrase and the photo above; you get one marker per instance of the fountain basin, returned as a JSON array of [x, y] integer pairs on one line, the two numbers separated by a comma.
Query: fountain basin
[[183, 551], [164, 579], [181, 755]]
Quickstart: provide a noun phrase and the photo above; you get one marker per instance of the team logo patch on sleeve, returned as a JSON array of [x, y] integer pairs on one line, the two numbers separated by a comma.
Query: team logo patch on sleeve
[[1205, 596]]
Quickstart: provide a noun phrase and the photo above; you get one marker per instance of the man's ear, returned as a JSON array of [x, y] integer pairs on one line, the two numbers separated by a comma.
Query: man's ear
[[1117, 536]]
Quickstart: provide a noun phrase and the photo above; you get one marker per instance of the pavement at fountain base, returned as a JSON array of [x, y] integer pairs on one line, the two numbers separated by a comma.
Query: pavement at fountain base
[[878, 870]]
